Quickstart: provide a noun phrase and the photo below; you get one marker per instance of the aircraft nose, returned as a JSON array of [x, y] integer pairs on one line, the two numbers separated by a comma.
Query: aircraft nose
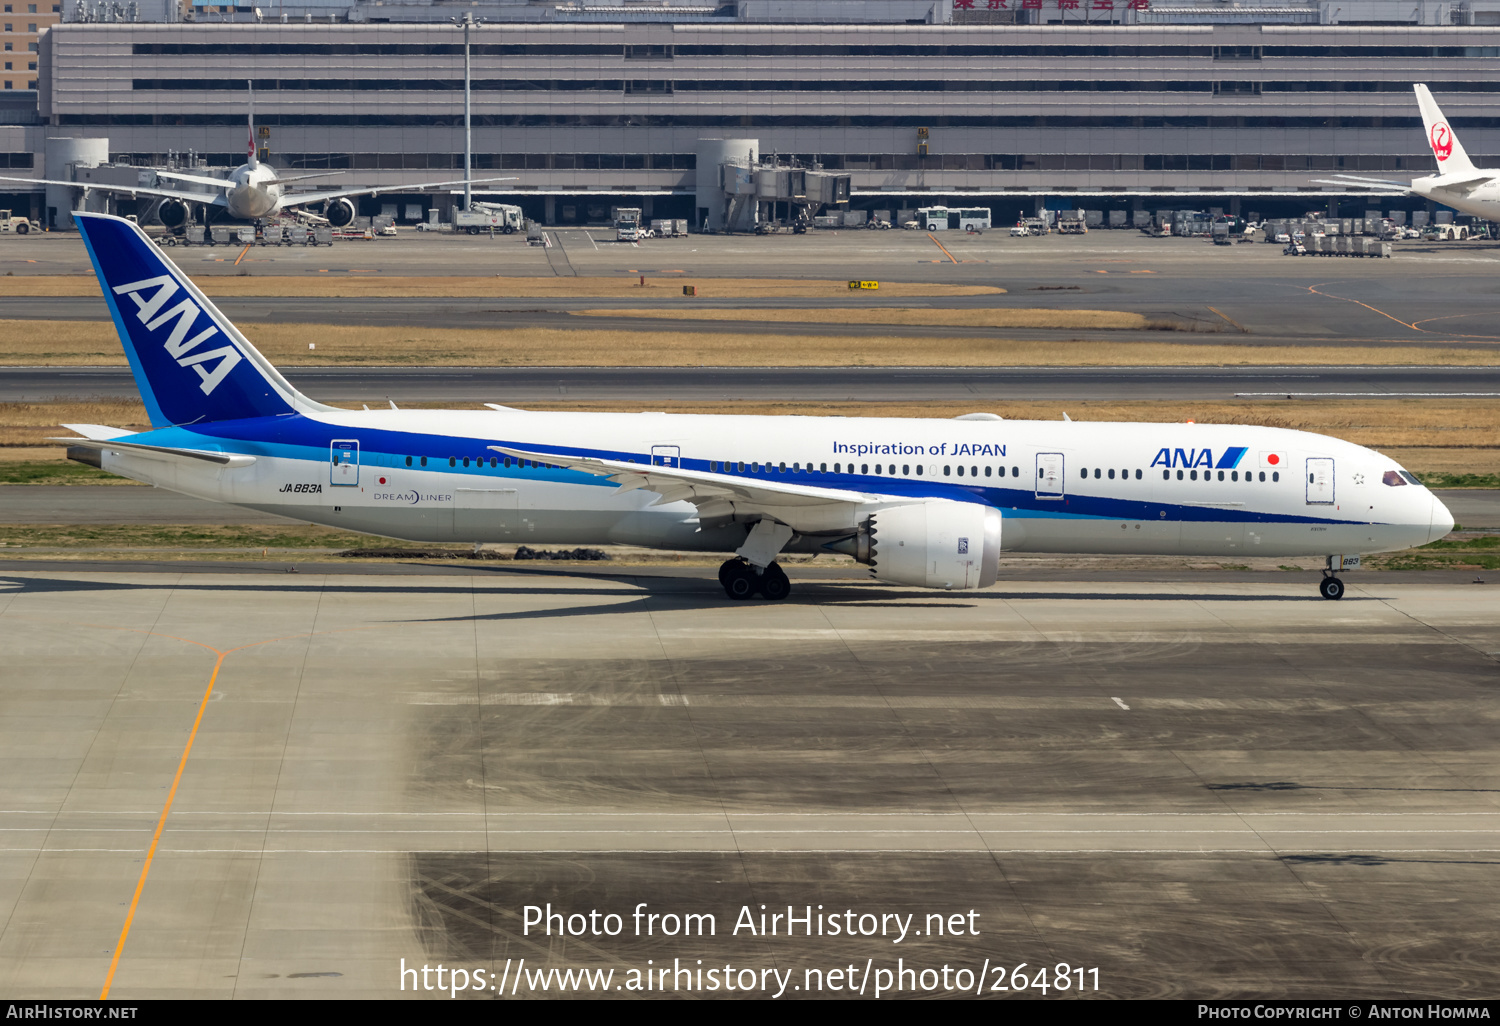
[[1442, 520]]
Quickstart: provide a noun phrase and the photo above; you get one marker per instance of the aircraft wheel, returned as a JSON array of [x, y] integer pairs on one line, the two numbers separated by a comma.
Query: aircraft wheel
[[728, 568], [774, 584], [1331, 588], [742, 584]]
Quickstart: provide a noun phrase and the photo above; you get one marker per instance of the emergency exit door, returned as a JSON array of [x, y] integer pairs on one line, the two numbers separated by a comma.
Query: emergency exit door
[[343, 461], [666, 456], [1049, 475], [1320, 481]]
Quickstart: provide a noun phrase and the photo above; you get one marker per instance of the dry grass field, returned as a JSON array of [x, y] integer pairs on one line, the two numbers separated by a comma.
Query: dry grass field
[[93, 343], [340, 285], [1096, 320]]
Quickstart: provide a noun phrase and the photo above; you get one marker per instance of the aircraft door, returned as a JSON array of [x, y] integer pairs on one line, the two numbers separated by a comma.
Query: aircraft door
[[1049, 475], [666, 456], [1320, 481], [343, 461]]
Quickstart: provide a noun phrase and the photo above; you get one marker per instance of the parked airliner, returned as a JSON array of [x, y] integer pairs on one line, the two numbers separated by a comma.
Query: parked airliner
[[253, 191], [1457, 184], [930, 503]]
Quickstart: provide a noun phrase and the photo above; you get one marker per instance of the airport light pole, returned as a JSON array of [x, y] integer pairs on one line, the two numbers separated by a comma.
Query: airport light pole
[[468, 22]]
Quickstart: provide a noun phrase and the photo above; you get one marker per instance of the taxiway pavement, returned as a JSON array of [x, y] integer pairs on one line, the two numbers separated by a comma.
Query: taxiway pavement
[[1428, 293], [1204, 785]]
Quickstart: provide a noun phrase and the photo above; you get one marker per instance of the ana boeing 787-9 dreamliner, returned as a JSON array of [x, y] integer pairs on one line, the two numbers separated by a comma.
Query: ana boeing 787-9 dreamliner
[[930, 503]]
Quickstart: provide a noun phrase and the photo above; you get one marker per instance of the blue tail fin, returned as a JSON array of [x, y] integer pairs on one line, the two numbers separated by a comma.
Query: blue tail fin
[[190, 363]]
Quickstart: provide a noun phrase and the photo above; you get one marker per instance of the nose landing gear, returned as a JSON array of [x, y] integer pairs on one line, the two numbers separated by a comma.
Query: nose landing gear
[[742, 580], [1330, 587]]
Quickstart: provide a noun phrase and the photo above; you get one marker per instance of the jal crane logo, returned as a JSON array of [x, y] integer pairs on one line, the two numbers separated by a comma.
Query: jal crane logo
[[150, 296], [1442, 141]]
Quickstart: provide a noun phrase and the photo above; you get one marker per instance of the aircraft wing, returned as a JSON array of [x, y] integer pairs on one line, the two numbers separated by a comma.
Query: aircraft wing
[[1373, 186], [1363, 182], [223, 459], [298, 199], [130, 190], [804, 508]]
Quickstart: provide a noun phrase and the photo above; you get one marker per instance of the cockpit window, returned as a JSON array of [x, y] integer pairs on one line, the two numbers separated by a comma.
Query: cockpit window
[[1393, 479], [1411, 478]]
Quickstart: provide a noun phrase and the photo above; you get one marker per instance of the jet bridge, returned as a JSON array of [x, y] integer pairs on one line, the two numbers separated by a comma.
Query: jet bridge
[[737, 192]]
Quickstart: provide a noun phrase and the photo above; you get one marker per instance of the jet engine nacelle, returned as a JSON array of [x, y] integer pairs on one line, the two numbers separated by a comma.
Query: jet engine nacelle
[[340, 213], [934, 544], [174, 214]]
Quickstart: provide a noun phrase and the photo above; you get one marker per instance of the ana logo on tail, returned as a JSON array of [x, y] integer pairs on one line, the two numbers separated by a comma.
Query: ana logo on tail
[[1442, 141], [150, 295]]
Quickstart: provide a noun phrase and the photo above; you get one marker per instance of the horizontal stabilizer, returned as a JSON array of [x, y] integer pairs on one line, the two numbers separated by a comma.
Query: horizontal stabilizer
[[98, 431], [223, 459], [1467, 182], [208, 180]]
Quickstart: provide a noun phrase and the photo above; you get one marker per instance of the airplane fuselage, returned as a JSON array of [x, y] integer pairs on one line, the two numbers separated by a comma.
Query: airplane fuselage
[[255, 192], [1059, 486], [1483, 201]]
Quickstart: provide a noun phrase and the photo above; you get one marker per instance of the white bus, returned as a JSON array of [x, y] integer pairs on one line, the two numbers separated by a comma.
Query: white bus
[[965, 219]]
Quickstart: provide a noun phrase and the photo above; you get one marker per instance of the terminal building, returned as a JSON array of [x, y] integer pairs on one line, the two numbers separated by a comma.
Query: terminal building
[[1008, 104]]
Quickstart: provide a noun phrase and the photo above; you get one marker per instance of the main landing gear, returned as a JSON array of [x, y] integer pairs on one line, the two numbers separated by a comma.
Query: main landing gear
[[743, 580], [1330, 587]]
